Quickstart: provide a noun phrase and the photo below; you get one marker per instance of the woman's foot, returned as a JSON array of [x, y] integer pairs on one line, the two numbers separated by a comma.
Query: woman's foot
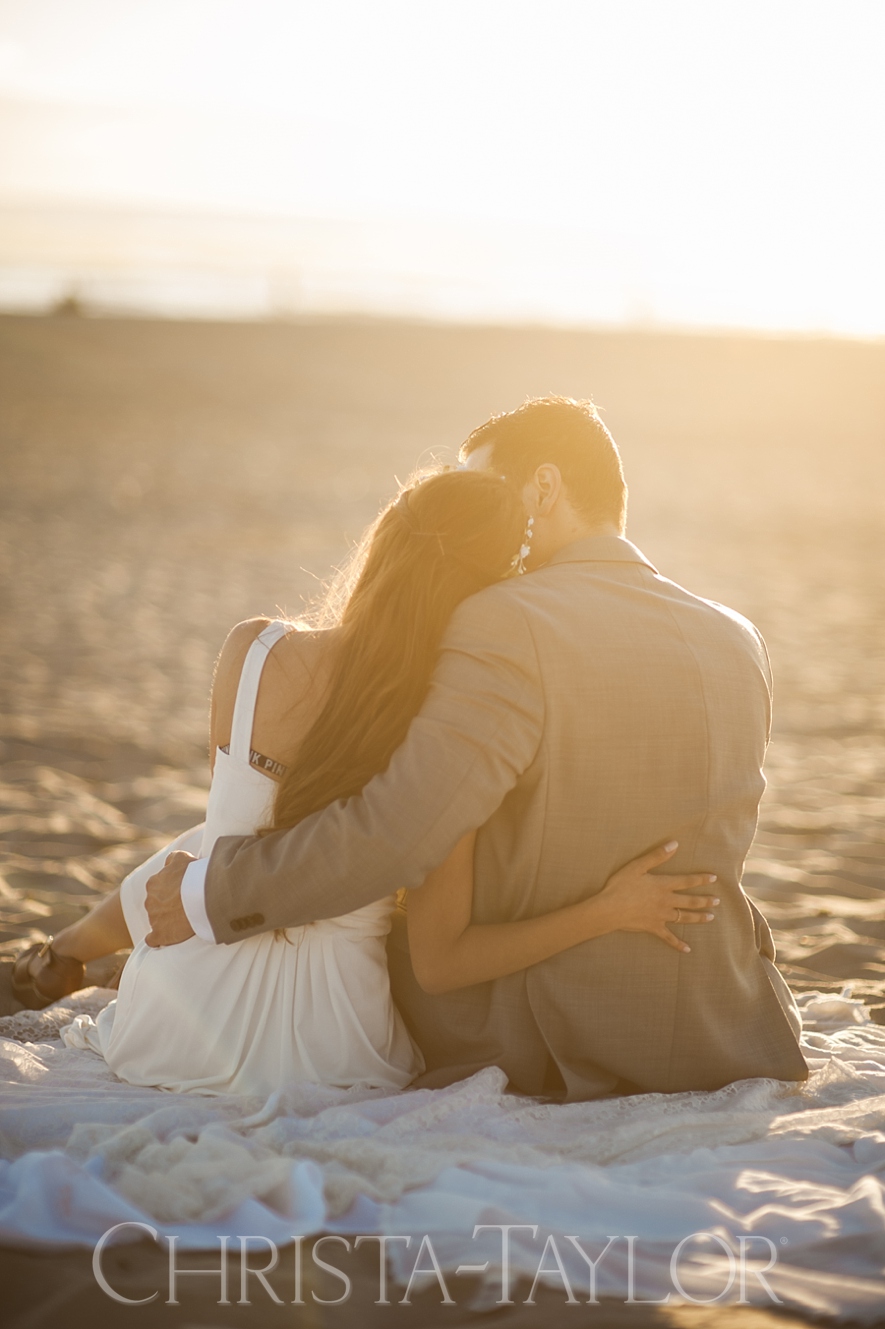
[[41, 976]]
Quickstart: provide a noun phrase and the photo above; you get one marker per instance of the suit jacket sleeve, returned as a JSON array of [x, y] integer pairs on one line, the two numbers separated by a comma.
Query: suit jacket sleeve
[[478, 730]]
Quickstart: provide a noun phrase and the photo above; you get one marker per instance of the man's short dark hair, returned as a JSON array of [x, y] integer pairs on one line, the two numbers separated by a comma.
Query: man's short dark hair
[[568, 434]]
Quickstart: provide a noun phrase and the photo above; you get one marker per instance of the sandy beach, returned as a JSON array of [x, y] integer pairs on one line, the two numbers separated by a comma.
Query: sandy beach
[[163, 481]]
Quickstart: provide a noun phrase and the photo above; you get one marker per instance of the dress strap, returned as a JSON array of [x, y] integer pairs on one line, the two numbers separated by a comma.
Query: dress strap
[[247, 690]]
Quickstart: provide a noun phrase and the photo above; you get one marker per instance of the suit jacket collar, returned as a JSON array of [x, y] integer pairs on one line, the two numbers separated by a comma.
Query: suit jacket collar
[[600, 549]]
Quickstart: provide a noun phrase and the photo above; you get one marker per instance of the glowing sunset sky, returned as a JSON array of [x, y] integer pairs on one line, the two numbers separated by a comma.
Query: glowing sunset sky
[[716, 163]]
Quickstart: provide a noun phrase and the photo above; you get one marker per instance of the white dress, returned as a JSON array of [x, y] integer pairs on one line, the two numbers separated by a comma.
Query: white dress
[[252, 1016]]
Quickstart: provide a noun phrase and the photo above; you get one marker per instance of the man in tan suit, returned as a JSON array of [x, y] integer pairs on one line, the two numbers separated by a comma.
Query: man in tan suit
[[579, 716]]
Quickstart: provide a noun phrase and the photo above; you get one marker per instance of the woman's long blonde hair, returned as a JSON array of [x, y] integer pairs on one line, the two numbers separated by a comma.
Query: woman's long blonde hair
[[445, 537]]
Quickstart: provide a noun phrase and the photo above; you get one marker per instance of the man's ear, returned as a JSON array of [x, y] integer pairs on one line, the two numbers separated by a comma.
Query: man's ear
[[547, 483]]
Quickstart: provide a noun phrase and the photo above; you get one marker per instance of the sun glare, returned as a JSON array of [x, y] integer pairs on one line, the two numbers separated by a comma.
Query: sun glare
[[675, 163]]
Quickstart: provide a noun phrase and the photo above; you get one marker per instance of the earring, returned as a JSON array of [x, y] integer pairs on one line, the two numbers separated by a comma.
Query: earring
[[518, 564]]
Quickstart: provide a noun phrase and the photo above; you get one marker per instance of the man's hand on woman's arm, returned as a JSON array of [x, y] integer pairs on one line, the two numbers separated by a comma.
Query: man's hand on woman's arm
[[169, 922]]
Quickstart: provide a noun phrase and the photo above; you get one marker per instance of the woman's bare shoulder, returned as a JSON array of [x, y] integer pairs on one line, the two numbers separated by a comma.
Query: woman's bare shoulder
[[303, 654], [234, 651], [293, 683], [226, 678], [297, 656]]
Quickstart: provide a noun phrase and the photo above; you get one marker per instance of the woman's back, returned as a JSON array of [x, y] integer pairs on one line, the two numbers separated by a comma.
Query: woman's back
[[251, 1016]]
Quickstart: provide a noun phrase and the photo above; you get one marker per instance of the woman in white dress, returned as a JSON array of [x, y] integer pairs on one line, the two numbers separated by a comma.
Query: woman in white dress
[[301, 718]]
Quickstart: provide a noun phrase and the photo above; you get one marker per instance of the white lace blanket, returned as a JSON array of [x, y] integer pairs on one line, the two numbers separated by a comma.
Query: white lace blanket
[[799, 1169]]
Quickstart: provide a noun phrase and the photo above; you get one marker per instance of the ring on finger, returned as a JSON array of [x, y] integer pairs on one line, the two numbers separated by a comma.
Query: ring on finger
[[678, 915]]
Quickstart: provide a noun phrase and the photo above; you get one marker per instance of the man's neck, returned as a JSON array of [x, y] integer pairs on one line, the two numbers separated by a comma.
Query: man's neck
[[570, 531]]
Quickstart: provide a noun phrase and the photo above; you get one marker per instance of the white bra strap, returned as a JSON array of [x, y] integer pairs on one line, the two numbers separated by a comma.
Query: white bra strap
[[247, 691]]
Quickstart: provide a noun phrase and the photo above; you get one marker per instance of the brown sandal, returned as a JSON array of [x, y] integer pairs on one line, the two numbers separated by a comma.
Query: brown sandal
[[57, 976]]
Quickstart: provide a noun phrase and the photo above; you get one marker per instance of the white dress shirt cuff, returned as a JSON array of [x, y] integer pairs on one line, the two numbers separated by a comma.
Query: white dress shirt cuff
[[193, 898]]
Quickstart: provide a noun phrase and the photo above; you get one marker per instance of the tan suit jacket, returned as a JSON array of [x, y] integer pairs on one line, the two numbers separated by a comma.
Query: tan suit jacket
[[579, 716]]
